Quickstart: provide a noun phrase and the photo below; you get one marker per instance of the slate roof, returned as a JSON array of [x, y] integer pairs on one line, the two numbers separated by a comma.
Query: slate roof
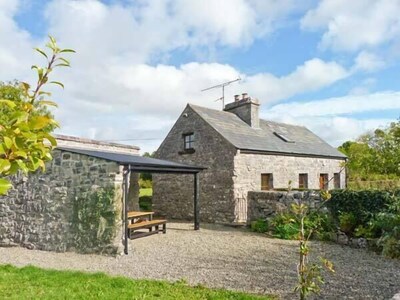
[[244, 137], [138, 162]]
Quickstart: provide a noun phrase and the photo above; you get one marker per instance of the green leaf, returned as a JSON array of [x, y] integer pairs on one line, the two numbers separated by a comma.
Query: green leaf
[[5, 185], [7, 142], [9, 103], [25, 86], [39, 71], [53, 40], [64, 60], [2, 150], [4, 165], [46, 102], [51, 139], [67, 50], [21, 153], [44, 93], [58, 83], [41, 52], [62, 65], [39, 122], [22, 166]]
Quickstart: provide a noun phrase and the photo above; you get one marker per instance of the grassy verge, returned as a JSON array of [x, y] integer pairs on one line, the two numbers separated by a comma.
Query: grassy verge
[[35, 283], [146, 192]]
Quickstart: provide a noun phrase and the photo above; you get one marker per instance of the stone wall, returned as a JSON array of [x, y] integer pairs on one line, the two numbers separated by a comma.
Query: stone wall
[[265, 204], [42, 209], [173, 194]]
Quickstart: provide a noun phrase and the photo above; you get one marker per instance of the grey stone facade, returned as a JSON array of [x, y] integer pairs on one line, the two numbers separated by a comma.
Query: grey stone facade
[[236, 152], [173, 194], [60, 209], [249, 167]]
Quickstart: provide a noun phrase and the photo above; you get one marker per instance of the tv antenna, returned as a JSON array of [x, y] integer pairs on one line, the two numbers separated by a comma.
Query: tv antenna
[[222, 85]]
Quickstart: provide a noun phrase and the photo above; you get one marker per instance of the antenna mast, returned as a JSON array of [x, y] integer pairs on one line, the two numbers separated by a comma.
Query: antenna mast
[[222, 85]]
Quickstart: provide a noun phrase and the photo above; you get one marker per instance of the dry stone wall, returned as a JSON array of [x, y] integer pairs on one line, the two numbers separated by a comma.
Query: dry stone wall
[[266, 204], [41, 210]]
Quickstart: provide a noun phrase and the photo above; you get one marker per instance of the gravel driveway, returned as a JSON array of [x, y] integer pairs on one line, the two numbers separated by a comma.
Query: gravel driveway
[[218, 256]]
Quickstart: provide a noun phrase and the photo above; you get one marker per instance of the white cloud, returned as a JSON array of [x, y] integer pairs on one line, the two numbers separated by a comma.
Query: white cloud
[[314, 74], [368, 61], [16, 54], [114, 91], [331, 118], [352, 25], [337, 106], [337, 130]]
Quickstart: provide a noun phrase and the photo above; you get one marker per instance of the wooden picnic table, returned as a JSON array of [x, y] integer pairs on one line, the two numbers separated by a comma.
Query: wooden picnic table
[[137, 222], [138, 214]]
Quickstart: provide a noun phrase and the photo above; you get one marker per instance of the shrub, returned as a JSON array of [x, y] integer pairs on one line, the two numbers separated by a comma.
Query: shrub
[[362, 204], [145, 184], [260, 226], [94, 219], [286, 225], [347, 222], [145, 203], [390, 246]]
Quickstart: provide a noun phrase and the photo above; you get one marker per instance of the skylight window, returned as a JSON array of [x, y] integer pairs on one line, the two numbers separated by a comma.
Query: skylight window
[[283, 137]]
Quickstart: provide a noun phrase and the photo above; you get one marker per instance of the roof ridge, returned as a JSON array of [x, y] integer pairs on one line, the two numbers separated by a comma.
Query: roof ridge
[[230, 113]]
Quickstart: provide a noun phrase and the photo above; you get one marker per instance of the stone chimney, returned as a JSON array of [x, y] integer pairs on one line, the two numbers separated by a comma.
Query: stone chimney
[[246, 108]]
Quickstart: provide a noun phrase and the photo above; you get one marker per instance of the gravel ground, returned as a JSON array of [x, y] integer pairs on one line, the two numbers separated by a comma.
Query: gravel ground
[[225, 257]]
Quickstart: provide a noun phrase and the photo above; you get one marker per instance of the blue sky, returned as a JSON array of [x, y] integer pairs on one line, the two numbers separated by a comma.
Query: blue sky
[[330, 65]]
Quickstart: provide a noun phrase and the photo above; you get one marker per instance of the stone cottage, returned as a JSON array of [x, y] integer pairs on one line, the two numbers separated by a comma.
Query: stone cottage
[[75, 205], [242, 153]]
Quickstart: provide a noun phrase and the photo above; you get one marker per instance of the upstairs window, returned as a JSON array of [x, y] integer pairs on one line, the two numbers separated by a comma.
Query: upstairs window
[[336, 180], [188, 139], [303, 181], [267, 181], [323, 181]]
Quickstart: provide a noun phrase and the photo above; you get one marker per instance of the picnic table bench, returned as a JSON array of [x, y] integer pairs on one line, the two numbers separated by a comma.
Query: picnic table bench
[[140, 220]]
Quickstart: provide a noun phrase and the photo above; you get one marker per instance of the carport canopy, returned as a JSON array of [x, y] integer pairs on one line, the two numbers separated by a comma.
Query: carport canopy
[[136, 163]]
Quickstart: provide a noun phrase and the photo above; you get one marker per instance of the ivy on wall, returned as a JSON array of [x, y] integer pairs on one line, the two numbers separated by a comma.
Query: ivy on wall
[[94, 220]]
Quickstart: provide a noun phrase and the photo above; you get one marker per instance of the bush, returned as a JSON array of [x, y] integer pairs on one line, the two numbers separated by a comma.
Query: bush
[[347, 223], [145, 184], [145, 203], [362, 204], [286, 226], [260, 226], [390, 246]]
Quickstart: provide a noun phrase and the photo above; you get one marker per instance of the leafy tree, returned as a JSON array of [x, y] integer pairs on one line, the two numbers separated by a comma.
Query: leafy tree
[[374, 154], [13, 91], [25, 123], [147, 176], [309, 274]]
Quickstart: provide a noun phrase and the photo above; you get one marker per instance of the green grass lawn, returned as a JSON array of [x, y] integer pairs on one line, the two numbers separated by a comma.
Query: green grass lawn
[[35, 283], [146, 192]]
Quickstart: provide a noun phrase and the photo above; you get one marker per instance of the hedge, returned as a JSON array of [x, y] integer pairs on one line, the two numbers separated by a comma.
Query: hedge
[[362, 204]]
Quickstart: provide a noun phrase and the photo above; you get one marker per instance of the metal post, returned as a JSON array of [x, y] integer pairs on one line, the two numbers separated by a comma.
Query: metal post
[[126, 221], [196, 202]]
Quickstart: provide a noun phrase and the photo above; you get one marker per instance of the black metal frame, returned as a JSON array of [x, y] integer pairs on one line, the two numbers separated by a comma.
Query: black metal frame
[[161, 170]]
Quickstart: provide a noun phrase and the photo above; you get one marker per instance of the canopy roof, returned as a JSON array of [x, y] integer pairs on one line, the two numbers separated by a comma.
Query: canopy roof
[[138, 163]]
